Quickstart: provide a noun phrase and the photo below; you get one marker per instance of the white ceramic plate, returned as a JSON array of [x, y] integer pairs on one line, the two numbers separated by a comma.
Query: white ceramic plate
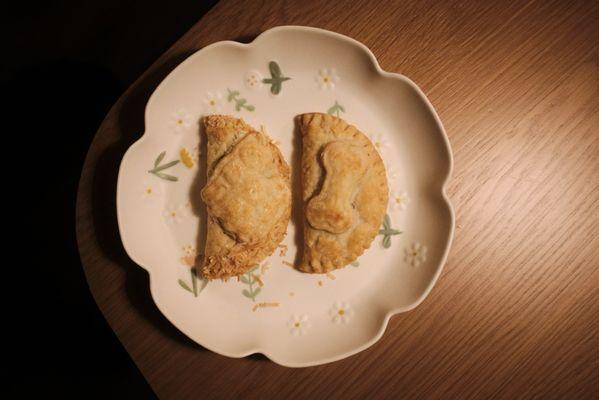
[[295, 319]]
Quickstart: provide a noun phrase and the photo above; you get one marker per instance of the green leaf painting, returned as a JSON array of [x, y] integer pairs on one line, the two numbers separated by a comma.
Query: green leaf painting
[[185, 286], [249, 279], [203, 284], [387, 232], [336, 109], [195, 288], [240, 103], [276, 78], [159, 158], [158, 168]]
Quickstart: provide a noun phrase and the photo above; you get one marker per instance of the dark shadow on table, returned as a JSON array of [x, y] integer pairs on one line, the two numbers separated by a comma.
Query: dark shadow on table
[[258, 357], [246, 38]]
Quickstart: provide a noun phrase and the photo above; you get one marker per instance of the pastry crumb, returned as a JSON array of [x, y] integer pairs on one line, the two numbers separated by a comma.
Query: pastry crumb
[[264, 267], [257, 279], [319, 283], [264, 305], [188, 260], [283, 250], [291, 294], [288, 263], [331, 276]]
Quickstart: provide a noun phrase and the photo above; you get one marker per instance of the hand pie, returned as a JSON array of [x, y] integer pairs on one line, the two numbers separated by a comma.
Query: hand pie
[[344, 189], [247, 196]]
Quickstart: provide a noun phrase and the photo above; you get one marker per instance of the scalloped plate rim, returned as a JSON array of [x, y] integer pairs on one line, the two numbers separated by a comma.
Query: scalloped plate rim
[[388, 314]]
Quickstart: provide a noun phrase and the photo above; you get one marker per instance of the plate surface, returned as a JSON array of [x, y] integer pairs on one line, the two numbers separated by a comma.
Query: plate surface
[[294, 319]]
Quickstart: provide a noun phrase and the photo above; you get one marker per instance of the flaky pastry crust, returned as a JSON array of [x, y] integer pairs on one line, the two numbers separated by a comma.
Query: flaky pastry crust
[[247, 196], [344, 189]]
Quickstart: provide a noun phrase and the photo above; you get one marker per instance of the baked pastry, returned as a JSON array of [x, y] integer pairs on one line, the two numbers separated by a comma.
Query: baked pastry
[[247, 196], [344, 189]]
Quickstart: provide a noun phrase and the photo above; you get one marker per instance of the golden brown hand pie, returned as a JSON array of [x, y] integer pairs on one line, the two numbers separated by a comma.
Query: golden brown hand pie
[[247, 196], [345, 193]]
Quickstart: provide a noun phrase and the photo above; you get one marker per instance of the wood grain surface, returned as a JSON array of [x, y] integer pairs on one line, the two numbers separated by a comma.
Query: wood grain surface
[[515, 311]]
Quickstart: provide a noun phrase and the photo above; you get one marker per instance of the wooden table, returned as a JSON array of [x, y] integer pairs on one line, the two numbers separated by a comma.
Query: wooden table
[[515, 311]]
